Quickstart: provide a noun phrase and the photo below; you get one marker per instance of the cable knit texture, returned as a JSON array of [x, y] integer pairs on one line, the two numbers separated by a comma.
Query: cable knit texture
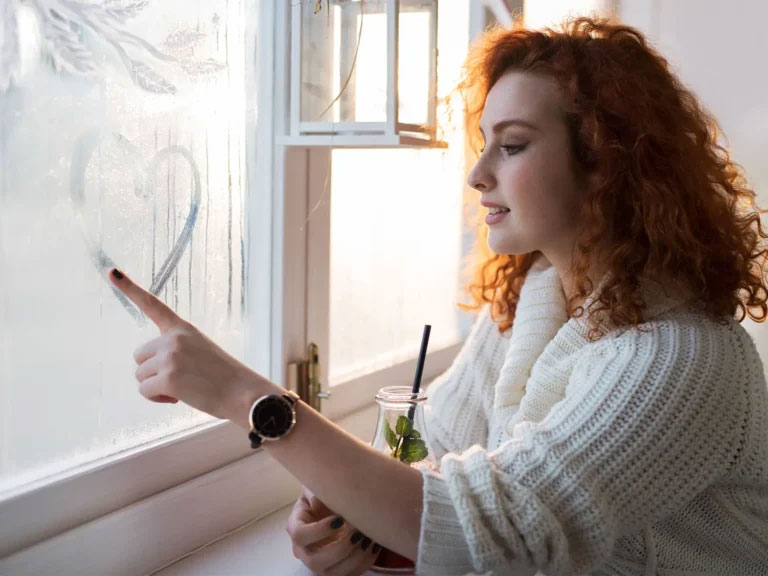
[[645, 453]]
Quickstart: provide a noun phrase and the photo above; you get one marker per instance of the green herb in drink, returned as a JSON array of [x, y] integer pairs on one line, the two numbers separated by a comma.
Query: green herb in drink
[[405, 441]]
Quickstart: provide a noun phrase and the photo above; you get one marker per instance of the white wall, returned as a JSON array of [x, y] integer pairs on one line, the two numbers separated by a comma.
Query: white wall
[[718, 50]]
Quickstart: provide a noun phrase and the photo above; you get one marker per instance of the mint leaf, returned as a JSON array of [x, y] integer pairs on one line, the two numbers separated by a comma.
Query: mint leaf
[[391, 438], [413, 450], [415, 434], [404, 426]]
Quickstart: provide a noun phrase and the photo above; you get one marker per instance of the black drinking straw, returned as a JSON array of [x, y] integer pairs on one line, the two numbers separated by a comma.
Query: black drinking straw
[[419, 369]]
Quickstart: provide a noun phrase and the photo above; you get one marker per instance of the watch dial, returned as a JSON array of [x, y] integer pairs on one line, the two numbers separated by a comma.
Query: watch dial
[[272, 417]]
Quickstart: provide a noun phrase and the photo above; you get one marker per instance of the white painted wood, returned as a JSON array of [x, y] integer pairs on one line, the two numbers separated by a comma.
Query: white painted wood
[[139, 538], [295, 87], [318, 283], [160, 529], [393, 34], [360, 141], [262, 546], [432, 96], [350, 396], [343, 127], [60, 503], [259, 150], [290, 276]]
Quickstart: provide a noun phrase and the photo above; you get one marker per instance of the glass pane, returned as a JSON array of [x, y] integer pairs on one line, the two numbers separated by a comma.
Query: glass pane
[[370, 86], [416, 45], [123, 145], [319, 61], [395, 257], [346, 47], [336, 53], [398, 236]]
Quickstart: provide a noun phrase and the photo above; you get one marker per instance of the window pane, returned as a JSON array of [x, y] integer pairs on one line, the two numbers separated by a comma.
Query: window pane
[[122, 145], [396, 247], [399, 235]]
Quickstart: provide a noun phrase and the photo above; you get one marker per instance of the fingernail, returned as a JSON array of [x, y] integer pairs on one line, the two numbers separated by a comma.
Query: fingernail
[[337, 523], [117, 274], [366, 543], [356, 537], [376, 548]]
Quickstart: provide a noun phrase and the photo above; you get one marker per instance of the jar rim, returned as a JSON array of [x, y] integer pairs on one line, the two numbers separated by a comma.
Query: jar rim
[[400, 394]]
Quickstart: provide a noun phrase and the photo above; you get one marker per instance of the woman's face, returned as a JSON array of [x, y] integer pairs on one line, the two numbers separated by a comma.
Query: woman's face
[[526, 166]]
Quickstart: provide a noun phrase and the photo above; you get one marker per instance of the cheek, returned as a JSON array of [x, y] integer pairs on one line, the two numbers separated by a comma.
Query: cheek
[[540, 185], [524, 185]]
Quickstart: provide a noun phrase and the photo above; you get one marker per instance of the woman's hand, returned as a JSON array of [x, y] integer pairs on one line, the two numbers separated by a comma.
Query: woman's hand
[[323, 548], [183, 364]]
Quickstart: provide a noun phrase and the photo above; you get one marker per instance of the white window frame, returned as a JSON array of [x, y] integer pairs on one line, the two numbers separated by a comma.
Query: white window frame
[[100, 517]]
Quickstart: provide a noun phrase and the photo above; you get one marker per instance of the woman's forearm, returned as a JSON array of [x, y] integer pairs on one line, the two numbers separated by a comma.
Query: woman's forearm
[[380, 496]]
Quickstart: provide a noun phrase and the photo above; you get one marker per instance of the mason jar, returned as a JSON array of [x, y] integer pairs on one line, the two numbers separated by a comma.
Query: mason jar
[[401, 433]]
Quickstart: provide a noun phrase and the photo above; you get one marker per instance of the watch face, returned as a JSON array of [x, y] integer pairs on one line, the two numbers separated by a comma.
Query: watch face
[[272, 417]]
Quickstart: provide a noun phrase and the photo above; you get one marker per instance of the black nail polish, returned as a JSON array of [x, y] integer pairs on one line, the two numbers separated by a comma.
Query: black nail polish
[[336, 524], [366, 543], [117, 273], [376, 548], [356, 537]]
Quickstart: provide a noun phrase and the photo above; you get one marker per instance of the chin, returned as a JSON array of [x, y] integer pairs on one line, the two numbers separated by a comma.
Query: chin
[[503, 245]]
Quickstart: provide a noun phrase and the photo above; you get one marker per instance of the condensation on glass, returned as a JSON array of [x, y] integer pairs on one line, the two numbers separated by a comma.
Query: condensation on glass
[[121, 144]]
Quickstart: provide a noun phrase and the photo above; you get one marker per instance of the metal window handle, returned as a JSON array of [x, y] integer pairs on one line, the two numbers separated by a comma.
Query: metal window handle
[[304, 378]]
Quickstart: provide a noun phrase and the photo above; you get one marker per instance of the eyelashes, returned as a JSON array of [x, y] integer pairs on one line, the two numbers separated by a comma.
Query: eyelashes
[[512, 149], [509, 149]]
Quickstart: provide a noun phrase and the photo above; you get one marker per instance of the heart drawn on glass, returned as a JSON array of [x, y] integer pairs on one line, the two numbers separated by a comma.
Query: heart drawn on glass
[[144, 187]]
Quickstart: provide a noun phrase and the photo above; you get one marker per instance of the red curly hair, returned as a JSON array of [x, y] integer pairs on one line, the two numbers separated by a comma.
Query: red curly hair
[[669, 204]]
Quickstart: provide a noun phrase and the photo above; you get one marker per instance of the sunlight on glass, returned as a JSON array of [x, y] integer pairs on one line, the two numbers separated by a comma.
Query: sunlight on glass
[[397, 228], [413, 68], [371, 70]]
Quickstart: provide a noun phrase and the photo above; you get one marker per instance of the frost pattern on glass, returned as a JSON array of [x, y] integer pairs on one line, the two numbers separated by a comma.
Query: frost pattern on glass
[[121, 144]]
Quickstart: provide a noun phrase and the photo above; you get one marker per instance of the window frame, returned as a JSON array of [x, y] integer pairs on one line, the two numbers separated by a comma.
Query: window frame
[[101, 507]]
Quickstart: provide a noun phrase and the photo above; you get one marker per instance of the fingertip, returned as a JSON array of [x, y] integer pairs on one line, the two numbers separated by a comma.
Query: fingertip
[[117, 274]]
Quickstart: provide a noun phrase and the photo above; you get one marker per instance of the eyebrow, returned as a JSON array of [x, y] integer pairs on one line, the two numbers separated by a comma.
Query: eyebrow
[[499, 126]]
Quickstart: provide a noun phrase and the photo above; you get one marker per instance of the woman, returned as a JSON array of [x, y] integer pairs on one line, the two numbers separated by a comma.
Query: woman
[[607, 413]]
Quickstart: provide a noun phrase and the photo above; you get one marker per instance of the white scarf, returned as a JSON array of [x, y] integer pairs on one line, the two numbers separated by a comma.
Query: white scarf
[[541, 313]]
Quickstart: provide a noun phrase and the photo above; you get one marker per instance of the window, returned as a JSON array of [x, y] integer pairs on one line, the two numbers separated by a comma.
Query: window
[[124, 146], [395, 257], [127, 138], [170, 100]]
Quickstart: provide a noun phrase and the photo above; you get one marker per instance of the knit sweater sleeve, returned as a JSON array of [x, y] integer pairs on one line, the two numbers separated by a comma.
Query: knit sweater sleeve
[[647, 423], [458, 401]]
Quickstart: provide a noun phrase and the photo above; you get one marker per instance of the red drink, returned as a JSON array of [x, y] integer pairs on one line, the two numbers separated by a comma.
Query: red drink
[[388, 562]]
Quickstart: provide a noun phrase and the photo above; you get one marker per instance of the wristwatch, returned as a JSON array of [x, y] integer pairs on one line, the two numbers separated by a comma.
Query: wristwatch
[[272, 416]]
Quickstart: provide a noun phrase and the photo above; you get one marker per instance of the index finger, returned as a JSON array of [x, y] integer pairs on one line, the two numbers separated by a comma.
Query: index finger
[[155, 309]]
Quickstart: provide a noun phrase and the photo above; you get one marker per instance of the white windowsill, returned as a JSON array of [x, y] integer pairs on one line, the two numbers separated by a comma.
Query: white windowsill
[[262, 547]]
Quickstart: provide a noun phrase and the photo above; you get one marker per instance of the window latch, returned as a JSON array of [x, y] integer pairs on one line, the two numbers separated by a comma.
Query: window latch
[[304, 378]]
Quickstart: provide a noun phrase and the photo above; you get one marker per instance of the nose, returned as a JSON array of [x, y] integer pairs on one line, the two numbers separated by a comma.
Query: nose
[[480, 178]]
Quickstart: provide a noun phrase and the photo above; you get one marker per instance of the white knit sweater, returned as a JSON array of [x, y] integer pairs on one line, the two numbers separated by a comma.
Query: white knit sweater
[[639, 454]]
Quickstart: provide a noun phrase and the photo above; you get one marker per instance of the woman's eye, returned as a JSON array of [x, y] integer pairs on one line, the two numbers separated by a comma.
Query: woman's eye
[[511, 149]]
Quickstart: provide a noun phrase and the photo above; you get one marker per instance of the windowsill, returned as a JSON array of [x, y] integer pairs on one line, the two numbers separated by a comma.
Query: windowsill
[[263, 547]]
